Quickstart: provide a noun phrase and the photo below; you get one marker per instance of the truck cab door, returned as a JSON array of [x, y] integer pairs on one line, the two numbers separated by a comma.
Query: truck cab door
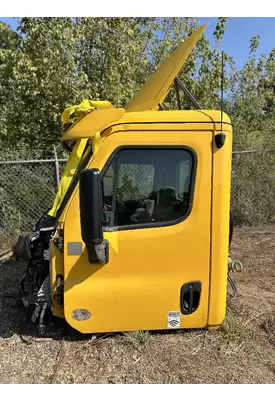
[[156, 192]]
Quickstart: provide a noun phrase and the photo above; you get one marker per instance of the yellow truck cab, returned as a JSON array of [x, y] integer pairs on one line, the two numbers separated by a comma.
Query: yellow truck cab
[[142, 231]]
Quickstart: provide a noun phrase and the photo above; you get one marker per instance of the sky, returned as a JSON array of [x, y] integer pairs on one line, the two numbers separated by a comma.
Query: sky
[[237, 35]]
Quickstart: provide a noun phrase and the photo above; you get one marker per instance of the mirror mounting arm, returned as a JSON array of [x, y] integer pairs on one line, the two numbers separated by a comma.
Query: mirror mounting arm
[[98, 253]]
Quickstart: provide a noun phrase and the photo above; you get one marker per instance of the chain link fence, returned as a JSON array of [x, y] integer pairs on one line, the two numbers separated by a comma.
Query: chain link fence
[[28, 188]]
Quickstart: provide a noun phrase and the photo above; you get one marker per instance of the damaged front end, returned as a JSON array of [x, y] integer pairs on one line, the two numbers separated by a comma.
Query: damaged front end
[[35, 286]]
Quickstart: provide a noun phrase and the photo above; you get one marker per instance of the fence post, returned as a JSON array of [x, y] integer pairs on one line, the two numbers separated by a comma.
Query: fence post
[[56, 166]]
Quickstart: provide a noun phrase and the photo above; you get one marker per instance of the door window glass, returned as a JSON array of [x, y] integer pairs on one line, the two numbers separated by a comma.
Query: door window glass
[[147, 186]]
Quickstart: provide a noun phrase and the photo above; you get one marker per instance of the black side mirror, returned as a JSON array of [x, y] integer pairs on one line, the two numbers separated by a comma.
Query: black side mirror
[[91, 212]]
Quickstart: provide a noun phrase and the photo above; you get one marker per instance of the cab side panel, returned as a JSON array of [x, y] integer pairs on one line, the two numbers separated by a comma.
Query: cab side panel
[[147, 268]]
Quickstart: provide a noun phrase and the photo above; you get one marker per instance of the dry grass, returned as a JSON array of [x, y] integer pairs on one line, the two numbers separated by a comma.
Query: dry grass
[[136, 338], [232, 326], [268, 325], [242, 351]]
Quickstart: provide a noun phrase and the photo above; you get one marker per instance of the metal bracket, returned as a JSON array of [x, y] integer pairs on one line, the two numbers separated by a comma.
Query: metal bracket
[[187, 93], [98, 253]]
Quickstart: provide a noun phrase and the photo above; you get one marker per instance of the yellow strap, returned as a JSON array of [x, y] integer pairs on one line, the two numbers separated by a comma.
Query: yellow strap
[[68, 173], [69, 170], [71, 114]]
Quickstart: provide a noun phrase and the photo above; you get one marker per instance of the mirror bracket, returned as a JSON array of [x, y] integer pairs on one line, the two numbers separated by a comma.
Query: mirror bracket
[[98, 253]]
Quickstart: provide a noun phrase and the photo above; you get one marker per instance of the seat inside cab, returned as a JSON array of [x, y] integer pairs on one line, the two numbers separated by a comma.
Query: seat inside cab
[[147, 186]]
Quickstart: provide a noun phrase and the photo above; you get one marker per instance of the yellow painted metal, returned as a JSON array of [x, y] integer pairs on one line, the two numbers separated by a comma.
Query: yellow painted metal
[[192, 120], [220, 229], [205, 119], [141, 283], [91, 123], [151, 94], [157, 87]]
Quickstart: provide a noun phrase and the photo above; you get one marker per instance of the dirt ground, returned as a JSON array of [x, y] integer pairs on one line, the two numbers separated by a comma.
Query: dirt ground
[[242, 351]]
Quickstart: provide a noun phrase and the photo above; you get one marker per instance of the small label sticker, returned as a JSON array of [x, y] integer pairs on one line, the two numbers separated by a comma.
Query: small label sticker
[[173, 319]]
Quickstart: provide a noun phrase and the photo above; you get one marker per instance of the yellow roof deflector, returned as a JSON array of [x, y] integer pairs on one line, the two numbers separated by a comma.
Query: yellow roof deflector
[[88, 126], [148, 98], [157, 87]]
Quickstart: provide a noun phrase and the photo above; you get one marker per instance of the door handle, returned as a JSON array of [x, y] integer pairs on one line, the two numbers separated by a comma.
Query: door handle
[[190, 294]]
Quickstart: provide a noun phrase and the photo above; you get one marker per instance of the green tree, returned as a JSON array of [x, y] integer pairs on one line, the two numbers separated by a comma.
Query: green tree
[[55, 62], [51, 63], [40, 78]]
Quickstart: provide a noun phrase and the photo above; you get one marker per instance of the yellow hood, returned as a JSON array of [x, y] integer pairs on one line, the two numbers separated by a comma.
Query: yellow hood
[[148, 98], [157, 87]]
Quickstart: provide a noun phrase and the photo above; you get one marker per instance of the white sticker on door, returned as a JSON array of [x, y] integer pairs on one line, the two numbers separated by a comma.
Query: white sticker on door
[[173, 319]]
